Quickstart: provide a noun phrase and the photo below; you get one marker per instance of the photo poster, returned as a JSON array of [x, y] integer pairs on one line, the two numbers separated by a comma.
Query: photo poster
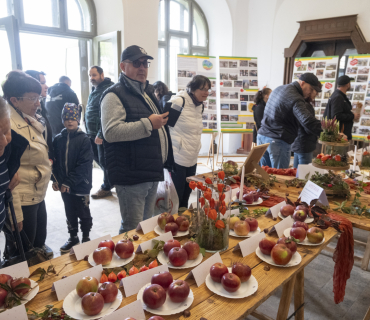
[[358, 68], [325, 69], [238, 86], [188, 67]]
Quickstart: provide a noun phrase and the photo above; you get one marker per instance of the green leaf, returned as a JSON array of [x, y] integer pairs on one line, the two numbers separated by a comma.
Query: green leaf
[[203, 252], [22, 286]]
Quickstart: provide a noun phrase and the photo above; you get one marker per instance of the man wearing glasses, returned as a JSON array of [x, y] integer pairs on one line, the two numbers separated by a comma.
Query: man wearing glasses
[[137, 142]]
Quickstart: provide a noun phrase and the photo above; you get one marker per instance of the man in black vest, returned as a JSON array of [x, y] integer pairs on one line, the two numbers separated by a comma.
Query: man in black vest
[[137, 142]]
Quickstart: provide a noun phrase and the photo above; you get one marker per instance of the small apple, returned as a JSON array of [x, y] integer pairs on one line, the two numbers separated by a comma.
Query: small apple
[[3, 294], [169, 244], [154, 296], [182, 223], [178, 256], [299, 233], [241, 228], [281, 255], [299, 215], [297, 224], [165, 218], [233, 220], [171, 226], [238, 193], [315, 235], [124, 248], [107, 243], [243, 271], [192, 248], [266, 246], [102, 255], [253, 224], [248, 198], [4, 278], [164, 279], [92, 303], [109, 291], [178, 291], [86, 285], [287, 210], [230, 282], [290, 242], [255, 196], [17, 281], [217, 270]]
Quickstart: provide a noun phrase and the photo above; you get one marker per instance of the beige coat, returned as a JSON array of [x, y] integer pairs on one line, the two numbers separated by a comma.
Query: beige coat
[[35, 169]]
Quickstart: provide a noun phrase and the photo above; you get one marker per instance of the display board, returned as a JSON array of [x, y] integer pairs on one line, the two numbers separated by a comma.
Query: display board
[[325, 69], [358, 67], [188, 67], [238, 86]]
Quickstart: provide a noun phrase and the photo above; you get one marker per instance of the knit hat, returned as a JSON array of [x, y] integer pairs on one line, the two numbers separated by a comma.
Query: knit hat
[[71, 112]]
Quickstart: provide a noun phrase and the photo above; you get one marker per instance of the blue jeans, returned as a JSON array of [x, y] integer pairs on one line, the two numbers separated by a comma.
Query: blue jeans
[[136, 203], [302, 158], [277, 154]]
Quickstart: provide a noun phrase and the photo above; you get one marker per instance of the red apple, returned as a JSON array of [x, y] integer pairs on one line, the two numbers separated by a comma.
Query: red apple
[[287, 210], [281, 255], [4, 278], [92, 303], [192, 248], [315, 235], [178, 291], [165, 218], [241, 228], [86, 285], [299, 215], [109, 291], [299, 233], [164, 279], [171, 226], [238, 193], [102, 255], [297, 224], [230, 282], [253, 224], [289, 242], [243, 271], [182, 223], [107, 243], [217, 271], [17, 281], [248, 198], [302, 207], [255, 196], [178, 256], [124, 248], [156, 318], [3, 294], [169, 244], [154, 296], [266, 246]]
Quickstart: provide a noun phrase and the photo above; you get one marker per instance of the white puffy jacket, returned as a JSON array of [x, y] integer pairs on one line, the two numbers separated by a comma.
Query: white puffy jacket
[[186, 134]]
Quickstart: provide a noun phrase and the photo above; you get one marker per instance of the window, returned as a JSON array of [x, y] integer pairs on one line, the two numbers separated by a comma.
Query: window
[[182, 28]]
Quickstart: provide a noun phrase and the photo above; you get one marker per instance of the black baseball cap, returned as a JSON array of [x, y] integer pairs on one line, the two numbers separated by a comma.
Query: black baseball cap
[[312, 80], [343, 80], [133, 53]]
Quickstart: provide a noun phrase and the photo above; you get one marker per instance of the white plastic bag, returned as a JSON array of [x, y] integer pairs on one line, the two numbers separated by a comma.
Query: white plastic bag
[[167, 198]]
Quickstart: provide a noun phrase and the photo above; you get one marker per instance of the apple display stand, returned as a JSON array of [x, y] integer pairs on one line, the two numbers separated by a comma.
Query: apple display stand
[[251, 163]]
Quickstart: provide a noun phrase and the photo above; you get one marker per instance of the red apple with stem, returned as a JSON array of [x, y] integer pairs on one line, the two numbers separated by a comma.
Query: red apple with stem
[[192, 248], [302, 207], [178, 291], [165, 218], [107, 243], [164, 279], [154, 296], [266, 246], [281, 255], [182, 223], [287, 210], [290, 242], [230, 282], [241, 228], [92, 303], [178, 256], [248, 198], [124, 248], [156, 318], [169, 244], [217, 270], [299, 233], [243, 271], [86, 285], [299, 215], [253, 224], [297, 224], [109, 291], [17, 281], [171, 226], [4, 278], [315, 235], [102, 255]]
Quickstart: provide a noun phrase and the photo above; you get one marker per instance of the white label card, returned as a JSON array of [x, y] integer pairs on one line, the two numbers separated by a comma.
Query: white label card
[[284, 224], [200, 272], [83, 249], [17, 270], [312, 191], [304, 169], [134, 310], [134, 283], [149, 244], [234, 212], [65, 286], [15, 313], [276, 209], [147, 225], [249, 245]]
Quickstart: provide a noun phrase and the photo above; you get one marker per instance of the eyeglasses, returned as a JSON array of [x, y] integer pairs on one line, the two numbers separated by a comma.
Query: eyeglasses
[[206, 90], [138, 63], [33, 100]]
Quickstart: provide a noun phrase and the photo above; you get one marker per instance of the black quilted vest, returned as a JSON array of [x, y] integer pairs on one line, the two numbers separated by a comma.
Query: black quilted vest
[[139, 161]]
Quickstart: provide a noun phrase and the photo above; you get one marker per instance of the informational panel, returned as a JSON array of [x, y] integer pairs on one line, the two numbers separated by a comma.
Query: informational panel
[[187, 68], [325, 69], [358, 67], [238, 86]]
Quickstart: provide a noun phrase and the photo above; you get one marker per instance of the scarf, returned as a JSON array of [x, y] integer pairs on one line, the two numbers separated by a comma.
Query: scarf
[[195, 101]]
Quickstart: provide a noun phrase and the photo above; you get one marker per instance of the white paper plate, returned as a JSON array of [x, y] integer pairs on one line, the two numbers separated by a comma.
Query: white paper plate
[[72, 306], [179, 234], [296, 259], [246, 288], [305, 242], [30, 295], [308, 219], [250, 234], [168, 307], [259, 201], [163, 259], [116, 261]]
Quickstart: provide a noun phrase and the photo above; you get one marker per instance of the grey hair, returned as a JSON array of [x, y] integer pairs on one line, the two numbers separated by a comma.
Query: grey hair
[[4, 109]]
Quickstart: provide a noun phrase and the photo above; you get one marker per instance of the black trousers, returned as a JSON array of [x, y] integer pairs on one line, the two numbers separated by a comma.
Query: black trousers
[[182, 187], [35, 223], [77, 207], [98, 150]]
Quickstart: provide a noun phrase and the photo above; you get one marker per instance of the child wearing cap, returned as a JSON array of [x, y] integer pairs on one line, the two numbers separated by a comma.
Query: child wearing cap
[[72, 175]]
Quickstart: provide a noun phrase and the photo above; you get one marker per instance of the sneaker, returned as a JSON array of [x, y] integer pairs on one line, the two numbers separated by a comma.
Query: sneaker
[[87, 239], [49, 253], [72, 241], [101, 194]]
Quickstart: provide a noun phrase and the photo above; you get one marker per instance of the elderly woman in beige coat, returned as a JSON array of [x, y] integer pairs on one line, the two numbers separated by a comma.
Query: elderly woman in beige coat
[[22, 92]]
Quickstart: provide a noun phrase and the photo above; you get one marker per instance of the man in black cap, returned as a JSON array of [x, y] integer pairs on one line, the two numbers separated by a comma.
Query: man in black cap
[[137, 142], [340, 107], [285, 111]]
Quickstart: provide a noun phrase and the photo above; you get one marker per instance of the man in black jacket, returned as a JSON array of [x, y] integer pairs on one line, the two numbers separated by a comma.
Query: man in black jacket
[[340, 107], [285, 111]]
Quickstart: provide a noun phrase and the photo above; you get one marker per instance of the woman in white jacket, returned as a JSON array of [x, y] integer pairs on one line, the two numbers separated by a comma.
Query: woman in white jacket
[[186, 134]]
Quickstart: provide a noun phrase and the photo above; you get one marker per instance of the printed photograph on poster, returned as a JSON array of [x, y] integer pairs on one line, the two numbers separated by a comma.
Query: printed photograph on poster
[[358, 96], [233, 64], [205, 125], [302, 67], [251, 97], [319, 95], [224, 64], [360, 87], [204, 116], [243, 106], [296, 76], [362, 78], [319, 73], [244, 73], [211, 102], [365, 122], [243, 97], [330, 75], [224, 117], [224, 95], [253, 83], [253, 73], [228, 84], [349, 96], [181, 73], [354, 129], [324, 104], [212, 93], [213, 117], [311, 66], [363, 130], [253, 63], [224, 76], [190, 74], [234, 106], [212, 125], [213, 83], [245, 84], [238, 84], [244, 63], [352, 70], [234, 95], [233, 76], [317, 110], [362, 62], [363, 70], [225, 106], [249, 125], [331, 66], [317, 104], [320, 64], [233, 117]]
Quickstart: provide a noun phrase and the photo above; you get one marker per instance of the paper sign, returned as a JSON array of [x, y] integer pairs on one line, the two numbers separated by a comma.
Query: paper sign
[[304, 169], [351, 168], [200, 272], [147, 225], [81, 250], [249, 245], [17, 270], [15, 313], [312, 191], [284, 224], [134, 283], [276, 209], [235, 212], [65, 286], [133, 310], [149, 244]]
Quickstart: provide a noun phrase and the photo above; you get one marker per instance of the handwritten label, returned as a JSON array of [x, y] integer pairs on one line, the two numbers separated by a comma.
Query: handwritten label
[[86, 248], [133, 310], [312, 191], [15, 313], [200, 272], [147, 225], [284, 224], [147, 245], [249, 245]]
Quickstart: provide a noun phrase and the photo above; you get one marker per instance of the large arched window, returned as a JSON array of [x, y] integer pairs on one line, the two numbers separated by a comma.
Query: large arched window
[[182, 28]]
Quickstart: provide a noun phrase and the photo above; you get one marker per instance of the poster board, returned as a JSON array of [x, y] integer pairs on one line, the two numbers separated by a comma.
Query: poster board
[[358, 67], [188, 67], [325, 69], [238, 86], [253, 159]]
